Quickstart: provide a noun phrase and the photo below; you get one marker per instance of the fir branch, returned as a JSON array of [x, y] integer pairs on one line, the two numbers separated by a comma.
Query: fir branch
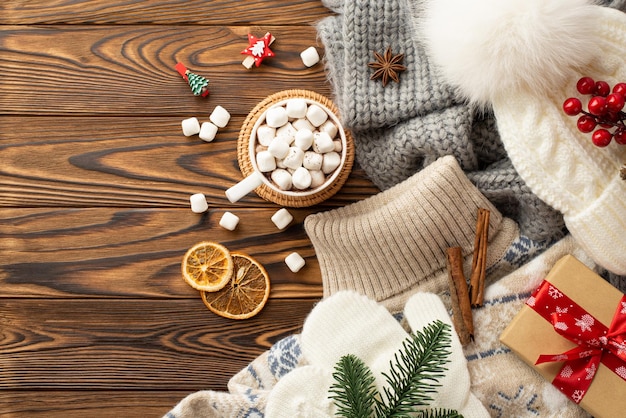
[[416, 370], [439, 413], [414, 375], [354, 391]]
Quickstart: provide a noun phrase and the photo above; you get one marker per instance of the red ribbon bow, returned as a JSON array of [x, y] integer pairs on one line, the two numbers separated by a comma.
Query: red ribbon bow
[[595, 342]]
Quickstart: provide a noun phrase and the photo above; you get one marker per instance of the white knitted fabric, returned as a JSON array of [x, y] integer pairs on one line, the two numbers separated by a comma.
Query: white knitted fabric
[[350, 323], [526, 82], [561, 165], [421, 310]]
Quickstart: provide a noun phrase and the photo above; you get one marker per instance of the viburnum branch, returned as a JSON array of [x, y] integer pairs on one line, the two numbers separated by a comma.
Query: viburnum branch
[[604, 111]]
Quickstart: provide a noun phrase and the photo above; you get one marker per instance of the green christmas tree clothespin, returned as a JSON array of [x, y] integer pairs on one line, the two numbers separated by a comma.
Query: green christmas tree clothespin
[[199, 85]]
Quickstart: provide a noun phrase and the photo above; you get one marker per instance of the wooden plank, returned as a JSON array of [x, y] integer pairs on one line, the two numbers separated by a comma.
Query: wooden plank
[[81, 404], [134, 344], [129, 70], [139, 162], [250, 12], [130, 253]]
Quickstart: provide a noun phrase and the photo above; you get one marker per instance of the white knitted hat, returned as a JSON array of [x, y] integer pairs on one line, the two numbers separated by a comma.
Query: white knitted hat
[[524, 58]]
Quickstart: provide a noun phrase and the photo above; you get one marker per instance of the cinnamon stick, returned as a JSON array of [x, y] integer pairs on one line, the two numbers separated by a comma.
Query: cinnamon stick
[[479, 259], [461, 307]]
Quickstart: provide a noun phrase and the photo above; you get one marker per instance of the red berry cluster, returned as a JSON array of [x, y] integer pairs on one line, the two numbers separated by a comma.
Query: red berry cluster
[[604, 111]]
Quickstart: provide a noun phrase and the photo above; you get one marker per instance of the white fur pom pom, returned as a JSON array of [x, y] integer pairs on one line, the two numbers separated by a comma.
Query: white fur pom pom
[[492, 48]]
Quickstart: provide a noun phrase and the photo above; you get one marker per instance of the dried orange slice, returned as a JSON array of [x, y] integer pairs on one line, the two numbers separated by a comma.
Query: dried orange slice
[[207, 266], [246, 293]]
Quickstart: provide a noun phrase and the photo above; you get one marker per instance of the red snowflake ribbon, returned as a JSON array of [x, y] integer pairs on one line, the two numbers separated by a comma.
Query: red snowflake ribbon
[[595, 342], [259, 48]]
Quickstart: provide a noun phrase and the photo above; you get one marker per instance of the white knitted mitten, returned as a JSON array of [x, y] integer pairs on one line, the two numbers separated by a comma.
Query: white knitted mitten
[[349, 323], [454, 392]]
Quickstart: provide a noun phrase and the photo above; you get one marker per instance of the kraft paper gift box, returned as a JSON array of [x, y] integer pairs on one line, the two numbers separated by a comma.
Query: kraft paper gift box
[[530, 335]]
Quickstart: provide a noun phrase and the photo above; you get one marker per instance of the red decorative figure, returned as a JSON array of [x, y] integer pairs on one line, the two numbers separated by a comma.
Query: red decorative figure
[[259, 48]]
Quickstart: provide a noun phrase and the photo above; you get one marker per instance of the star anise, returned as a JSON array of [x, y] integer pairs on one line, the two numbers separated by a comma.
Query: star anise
[[622, 172], [387, 66]]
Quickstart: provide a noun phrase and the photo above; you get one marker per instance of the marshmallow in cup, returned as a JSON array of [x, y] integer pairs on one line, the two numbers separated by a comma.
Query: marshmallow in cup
[[298, 133]]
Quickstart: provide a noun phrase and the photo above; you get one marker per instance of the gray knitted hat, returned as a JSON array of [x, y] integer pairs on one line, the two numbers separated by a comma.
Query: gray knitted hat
[[403, 127]]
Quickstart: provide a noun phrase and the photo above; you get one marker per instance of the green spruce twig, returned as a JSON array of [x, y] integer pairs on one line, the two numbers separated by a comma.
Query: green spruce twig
[[414, 374], [354, 391], [439, 413]]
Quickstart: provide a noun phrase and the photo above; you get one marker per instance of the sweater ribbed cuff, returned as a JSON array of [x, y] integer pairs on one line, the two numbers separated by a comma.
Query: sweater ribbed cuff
[[395, 242]]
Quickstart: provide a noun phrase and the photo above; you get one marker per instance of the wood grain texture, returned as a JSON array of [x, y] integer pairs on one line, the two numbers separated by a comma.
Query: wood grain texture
[[95, 179], [137, 253], [88, 403], [129, 70], [134, 345], [125, 162], [250, 12]]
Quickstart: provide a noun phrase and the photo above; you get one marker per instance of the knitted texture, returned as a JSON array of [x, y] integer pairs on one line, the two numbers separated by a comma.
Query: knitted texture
[[388, 245], [403, 127], [616, 4], [499, 379], [349, 323], [567, 171], [502, 381], [365, 26], [247, 390]]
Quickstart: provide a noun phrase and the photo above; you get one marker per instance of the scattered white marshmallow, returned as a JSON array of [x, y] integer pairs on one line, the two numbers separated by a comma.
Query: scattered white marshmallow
[[282, 218], [282, 178], [296, 108], [309, 56], [191, 126], [208, 131], [198, 203], [229, 221], [295, 262], [265, 161], [244, 187], [322, 143], [301, 178], [316, 115], [276, 116], [219, 117], [330, 162]]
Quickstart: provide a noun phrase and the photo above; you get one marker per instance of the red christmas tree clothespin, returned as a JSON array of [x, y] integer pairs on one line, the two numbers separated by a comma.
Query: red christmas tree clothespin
[[199, 85], [258, 49]]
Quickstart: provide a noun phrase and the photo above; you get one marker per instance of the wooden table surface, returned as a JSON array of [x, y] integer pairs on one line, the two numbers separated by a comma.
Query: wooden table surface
[[95, 179]]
